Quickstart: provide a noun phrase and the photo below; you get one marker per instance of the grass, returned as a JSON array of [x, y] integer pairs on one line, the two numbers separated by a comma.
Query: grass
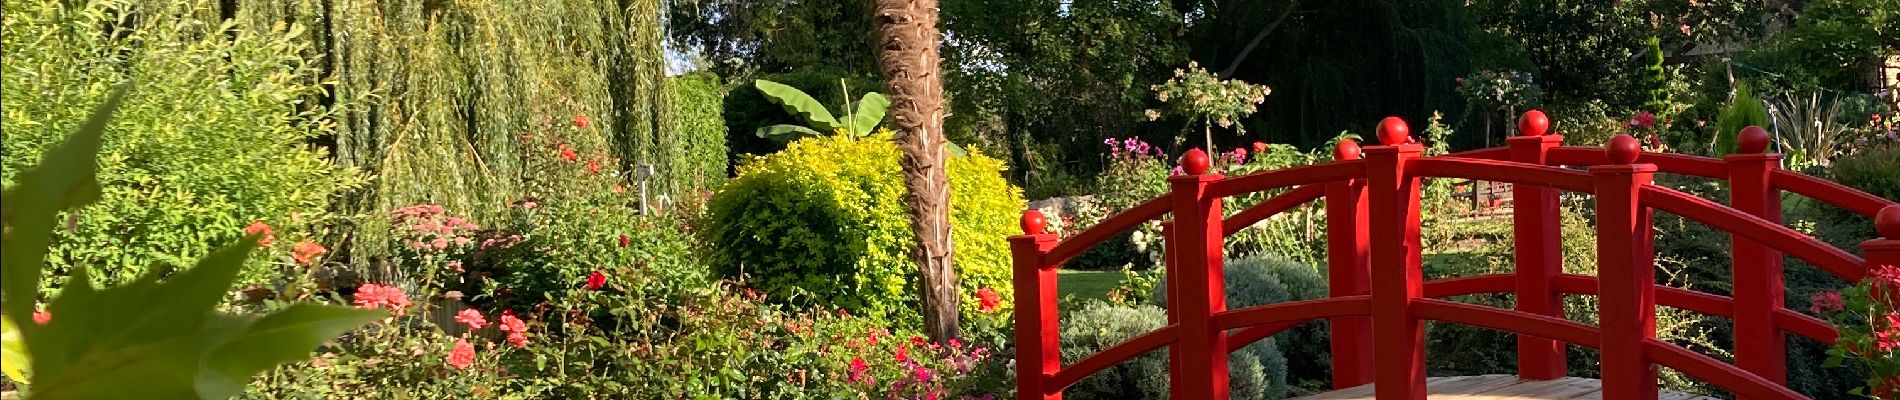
[[1087, 284]]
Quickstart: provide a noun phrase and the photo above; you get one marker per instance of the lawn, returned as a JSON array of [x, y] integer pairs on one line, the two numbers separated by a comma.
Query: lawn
[[1087, 284]]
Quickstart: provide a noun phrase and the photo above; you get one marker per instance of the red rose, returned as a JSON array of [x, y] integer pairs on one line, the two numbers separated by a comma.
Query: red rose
[[1259, 147], [595, 280]]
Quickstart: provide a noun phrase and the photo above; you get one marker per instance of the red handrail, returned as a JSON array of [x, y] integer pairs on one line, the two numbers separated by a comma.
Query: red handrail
[[1302, 175], [1715, 372], [1674, 297], [1507, 320], [1132, 348], [1114, 225], [1832, 193], [1829, 258], [1501, 171], [1273, 206]]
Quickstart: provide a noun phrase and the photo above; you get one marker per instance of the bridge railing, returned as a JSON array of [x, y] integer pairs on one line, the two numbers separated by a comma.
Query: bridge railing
[[1376, 285]]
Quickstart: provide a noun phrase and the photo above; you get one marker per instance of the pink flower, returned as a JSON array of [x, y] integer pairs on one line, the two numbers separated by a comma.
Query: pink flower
[[1643, 119], [903, 353], [463, 356], [455, 266], [923, 374], [1825, 302], [258, 227], [373, 296], [306, 252], [517, 330], [42, 317], [595, 280], [472, 318], [987, 300]]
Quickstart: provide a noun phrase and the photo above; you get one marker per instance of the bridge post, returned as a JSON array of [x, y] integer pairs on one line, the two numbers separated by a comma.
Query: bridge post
[[1169, 282], [1537, 230], [1348, 273], [1760, 346], [1038, 345], [1203, 293], [1397, 280], [1886, 250], [1626, 271]]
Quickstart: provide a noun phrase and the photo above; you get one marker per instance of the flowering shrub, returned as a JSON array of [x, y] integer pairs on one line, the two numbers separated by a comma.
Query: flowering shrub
[[1868, 318], [1204, 97]]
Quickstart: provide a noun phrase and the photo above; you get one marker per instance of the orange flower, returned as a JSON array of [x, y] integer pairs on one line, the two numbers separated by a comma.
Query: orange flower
[[258, 227], [306, 252], [593, 166]]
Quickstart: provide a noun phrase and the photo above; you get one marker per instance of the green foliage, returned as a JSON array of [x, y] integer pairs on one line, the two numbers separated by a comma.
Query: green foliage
[[823, 223], [1257, 371], [747, 110], [158, 339], [858, 122], [694, 102], [218, 136], [1863, 313], [1743, 111], [1875, 171]]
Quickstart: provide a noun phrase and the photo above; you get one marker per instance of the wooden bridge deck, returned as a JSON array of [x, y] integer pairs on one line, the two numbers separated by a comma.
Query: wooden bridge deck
[[1500, 387]]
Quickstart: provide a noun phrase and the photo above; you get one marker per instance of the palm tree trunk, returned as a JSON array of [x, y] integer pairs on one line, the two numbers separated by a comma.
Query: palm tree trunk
[[907, 40]]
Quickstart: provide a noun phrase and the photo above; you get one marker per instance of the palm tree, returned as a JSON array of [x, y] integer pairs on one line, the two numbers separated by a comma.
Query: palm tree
[[907, 40]]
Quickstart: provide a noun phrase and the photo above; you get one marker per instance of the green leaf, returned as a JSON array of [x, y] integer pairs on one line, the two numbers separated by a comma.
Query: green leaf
[[870, 112], [64, 179], [800, 104], [785, 133], [285, 336], [146, 334], [13, 358], [955, 150]]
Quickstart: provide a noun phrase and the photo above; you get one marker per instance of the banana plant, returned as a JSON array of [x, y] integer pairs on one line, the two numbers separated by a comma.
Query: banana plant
[[859, 122]]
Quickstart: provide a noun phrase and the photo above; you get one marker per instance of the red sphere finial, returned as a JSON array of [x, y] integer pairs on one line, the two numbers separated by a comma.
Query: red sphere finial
[[1347, 149], [1623, 149], [1752, 140], [1195, 162], [1393, 132], [1533, 123], [1887, 222], [1033, 222]]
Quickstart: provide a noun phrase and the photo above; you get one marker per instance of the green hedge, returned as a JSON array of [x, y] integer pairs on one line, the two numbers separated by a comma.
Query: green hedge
[[1266, 279], [824, 223]]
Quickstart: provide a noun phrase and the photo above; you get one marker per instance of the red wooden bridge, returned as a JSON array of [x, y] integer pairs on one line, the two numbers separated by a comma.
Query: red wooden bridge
[[1379, 300]]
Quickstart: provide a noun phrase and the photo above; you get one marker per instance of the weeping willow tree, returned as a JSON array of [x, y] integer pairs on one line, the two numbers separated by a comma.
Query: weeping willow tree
[[440, 93]]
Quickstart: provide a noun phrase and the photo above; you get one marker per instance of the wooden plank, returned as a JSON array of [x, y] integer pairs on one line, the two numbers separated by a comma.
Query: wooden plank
[[1499, 387]]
